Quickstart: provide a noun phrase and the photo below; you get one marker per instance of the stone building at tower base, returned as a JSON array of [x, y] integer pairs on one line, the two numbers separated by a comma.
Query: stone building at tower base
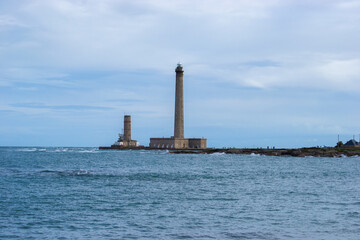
[[177, 143]]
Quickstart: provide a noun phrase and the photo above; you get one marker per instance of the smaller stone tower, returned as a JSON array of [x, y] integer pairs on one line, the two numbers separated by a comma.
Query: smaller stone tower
[[125, 141], [127, 128]]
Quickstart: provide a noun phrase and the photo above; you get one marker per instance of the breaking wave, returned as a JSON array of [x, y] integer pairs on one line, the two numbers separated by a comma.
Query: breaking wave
[[56, 150], [255, 154], [77, 172], [217, 153]]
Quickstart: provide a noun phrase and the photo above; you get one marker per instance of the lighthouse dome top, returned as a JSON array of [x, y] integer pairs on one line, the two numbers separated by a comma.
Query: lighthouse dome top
[[179, 68]]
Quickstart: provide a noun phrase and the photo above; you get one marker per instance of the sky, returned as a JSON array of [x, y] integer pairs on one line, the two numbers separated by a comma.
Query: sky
[[257, 73]]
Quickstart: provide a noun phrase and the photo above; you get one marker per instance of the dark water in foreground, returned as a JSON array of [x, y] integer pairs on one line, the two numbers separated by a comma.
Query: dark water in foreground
[[81, 193]]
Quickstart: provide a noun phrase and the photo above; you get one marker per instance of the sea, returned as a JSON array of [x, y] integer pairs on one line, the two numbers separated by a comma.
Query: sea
[[85, 193]]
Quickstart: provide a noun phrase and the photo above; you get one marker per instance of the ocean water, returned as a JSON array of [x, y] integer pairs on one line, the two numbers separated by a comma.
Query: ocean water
[[84, 193]]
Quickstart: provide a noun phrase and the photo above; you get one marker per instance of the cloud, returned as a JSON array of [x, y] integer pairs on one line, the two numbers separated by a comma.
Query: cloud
[[4, 83], [59, 107], [152, 35], [350, 4], [344, 74], [36, 76], [131, 35], [97, 59], [8, 20], [321, 72], [27, 88]]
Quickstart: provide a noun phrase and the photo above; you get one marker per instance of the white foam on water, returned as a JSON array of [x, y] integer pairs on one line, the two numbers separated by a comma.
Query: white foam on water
[[26, 149], [79, 172], [217, 153], [74, 150], [57, 150], [165, 152], [94, 150], [255, 154], [75, 172]]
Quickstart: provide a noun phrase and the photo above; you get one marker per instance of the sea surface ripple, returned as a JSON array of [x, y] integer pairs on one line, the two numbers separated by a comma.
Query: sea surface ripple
[[84, 193]]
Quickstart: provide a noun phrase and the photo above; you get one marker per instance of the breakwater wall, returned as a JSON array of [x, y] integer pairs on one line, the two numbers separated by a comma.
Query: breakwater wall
[[295, 152]]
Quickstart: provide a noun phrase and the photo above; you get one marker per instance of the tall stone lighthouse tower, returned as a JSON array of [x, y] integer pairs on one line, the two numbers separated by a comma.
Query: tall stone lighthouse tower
[[178, 141], [179, 103]]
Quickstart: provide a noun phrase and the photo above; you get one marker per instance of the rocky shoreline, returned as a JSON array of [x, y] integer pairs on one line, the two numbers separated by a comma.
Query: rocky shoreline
[[294, 152]]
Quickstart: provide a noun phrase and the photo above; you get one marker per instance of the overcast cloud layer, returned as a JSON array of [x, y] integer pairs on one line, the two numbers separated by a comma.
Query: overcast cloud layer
[[257, 73]]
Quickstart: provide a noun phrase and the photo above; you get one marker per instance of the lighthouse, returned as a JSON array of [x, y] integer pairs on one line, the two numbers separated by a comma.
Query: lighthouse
[[179, 103], [178, 141]]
